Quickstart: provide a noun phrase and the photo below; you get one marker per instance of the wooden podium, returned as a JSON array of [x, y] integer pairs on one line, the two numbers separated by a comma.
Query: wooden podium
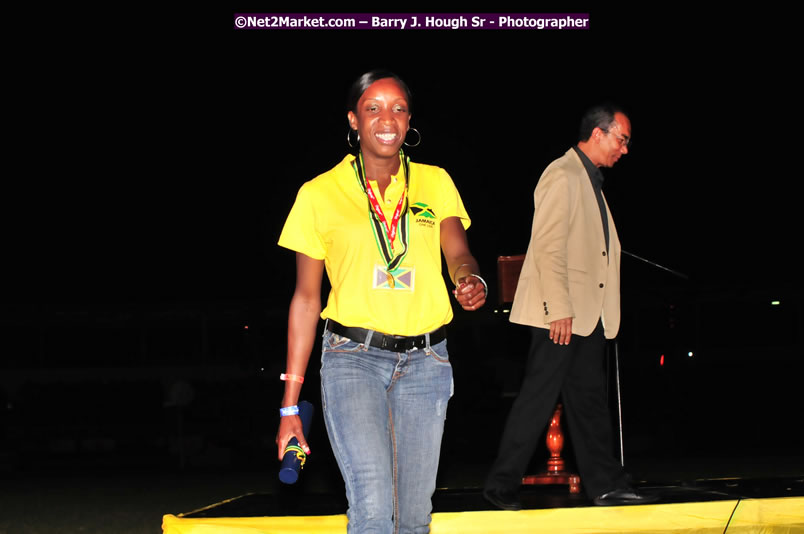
[[508, 269]]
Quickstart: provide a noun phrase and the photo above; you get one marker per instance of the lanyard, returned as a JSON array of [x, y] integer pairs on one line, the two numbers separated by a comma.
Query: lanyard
[[385, 234], [389, 231]]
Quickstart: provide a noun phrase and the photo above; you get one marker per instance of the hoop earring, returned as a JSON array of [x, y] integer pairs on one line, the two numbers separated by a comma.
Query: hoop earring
[[349, 138], [418, 141]]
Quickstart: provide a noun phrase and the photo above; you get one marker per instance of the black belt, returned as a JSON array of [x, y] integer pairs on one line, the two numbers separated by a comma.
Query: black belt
[[386, 341]]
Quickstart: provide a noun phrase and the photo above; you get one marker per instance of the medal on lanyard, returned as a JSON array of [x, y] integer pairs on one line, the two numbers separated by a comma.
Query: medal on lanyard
[[385, 234]]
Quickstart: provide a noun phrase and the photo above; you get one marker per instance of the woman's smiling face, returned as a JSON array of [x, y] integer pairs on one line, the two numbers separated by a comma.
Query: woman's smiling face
[[382, 118]]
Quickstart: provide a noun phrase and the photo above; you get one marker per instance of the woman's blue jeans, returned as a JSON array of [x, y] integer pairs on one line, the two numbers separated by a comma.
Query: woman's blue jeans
[[385, 413]]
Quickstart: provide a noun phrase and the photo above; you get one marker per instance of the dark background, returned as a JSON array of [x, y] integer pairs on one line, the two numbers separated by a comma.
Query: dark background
[[144, 306]]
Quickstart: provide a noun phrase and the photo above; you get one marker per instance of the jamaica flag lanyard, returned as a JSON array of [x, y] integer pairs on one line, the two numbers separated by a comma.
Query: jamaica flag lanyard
[[385, 234]]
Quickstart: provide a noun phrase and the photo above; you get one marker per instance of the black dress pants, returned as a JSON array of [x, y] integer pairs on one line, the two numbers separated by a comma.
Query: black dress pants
[[577, 372]]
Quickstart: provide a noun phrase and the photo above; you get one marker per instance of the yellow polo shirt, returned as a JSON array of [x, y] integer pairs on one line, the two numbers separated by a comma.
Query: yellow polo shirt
[[330, 221]]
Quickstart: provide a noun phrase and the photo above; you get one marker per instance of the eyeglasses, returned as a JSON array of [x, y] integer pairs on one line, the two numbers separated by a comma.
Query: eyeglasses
[[622, 139]]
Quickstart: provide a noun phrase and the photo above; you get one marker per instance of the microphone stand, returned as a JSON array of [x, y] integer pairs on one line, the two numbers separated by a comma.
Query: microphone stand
[[617, 353], [680, 275]]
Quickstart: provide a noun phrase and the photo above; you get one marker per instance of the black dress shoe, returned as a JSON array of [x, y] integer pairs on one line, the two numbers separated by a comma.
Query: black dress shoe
[[502, 499], [621, 496]]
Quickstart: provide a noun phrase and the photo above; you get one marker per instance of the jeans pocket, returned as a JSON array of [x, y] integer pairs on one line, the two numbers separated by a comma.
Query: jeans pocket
[[334, 342], [439, 352]]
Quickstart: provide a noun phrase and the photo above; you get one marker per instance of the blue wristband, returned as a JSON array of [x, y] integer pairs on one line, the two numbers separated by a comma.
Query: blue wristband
[[290, 410]]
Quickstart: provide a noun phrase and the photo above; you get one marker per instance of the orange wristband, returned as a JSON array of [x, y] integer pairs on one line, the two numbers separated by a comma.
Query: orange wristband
[[294, 378]]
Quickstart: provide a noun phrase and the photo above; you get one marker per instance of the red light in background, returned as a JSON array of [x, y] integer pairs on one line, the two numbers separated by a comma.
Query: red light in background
[[661, 360]]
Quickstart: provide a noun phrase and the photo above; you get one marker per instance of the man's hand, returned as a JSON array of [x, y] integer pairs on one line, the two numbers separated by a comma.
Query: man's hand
[[561, 331]]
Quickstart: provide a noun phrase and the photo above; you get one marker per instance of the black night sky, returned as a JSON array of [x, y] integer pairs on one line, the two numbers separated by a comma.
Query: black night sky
[[157, 163], [164, 164]]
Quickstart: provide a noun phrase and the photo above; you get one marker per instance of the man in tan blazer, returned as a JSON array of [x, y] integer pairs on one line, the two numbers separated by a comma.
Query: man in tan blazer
[[569, 295]]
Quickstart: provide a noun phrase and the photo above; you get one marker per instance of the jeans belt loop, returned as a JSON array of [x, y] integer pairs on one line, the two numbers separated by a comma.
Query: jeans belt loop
[[367, 342]]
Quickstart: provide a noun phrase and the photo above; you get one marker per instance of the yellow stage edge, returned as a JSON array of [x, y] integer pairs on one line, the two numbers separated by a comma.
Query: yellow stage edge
[[736, 516]]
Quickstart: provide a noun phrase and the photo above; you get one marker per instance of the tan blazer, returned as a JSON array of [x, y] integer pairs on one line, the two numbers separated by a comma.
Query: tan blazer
[[567, 271]]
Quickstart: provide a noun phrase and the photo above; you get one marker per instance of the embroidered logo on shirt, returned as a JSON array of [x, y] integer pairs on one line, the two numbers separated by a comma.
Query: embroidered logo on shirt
[[423, 214]]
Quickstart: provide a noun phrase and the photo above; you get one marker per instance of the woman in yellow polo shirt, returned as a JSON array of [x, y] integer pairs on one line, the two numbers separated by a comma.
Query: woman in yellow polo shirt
[[378, 223]]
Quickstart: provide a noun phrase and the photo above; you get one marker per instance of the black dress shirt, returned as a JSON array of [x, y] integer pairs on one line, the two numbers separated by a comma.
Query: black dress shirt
[[596, 177]]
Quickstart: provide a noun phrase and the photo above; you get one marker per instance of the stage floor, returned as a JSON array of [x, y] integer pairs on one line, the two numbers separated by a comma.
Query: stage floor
[[729, 505]]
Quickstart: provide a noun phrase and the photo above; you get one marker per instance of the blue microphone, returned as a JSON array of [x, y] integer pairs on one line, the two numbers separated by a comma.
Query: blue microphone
[[294, 456]]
